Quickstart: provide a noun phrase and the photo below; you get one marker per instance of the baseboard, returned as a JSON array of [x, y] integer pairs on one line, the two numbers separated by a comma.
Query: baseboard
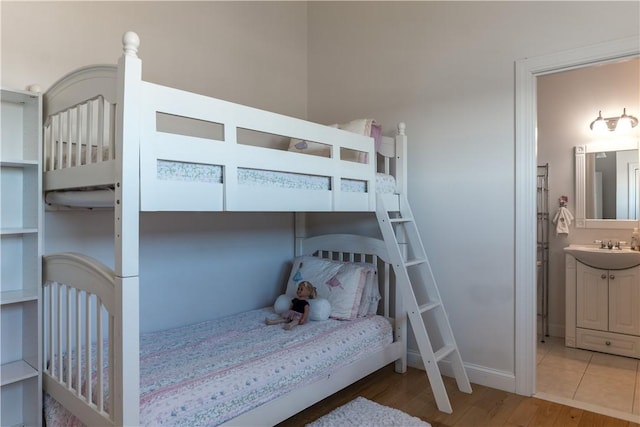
[[481, 375], [556, 330], [553, 329]]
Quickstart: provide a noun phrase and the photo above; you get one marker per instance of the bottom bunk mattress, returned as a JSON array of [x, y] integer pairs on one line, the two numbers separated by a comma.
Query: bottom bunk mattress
[[211, 372]]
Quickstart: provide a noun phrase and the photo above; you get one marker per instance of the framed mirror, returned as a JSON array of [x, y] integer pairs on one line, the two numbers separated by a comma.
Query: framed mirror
[[607, 185]]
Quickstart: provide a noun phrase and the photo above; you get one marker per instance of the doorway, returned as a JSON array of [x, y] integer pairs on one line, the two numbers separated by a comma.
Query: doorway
[[527, 71]]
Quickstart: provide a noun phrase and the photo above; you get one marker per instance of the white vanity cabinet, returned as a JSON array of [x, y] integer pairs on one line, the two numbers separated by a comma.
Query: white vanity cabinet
[[602, 308], [21, 219]]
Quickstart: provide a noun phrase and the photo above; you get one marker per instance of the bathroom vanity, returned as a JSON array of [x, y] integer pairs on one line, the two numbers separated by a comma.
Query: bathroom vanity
[[603, 299]]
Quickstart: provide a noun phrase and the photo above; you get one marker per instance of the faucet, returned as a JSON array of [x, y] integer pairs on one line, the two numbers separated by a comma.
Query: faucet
[[608, 244]]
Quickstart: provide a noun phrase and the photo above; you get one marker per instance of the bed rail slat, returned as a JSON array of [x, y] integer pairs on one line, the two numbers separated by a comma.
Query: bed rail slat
[[100, 129], [66, 138], [49, 330], [58, 374], [99, 361], [68, 342], [58, 142], [87, 350], [387, 167], [78, 342], [78, 134], [90, 132]]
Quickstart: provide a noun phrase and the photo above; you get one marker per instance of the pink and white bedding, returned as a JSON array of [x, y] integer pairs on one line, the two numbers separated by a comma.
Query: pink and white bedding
[[211, 372]]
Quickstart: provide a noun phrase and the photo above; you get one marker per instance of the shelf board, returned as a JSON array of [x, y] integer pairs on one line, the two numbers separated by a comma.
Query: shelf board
[[13, 372], [17, 296], [16, 96], [18, 230], [17, 163]]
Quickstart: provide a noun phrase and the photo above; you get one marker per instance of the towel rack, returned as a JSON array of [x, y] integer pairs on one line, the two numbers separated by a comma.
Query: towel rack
[[542, 258]]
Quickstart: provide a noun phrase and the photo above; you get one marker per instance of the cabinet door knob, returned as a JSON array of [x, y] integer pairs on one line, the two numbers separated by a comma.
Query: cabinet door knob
[[603, 276], [608, 342], [613, 276]]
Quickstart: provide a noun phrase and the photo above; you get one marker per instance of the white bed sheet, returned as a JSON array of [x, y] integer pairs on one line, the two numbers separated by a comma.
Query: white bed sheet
[[208, 373]]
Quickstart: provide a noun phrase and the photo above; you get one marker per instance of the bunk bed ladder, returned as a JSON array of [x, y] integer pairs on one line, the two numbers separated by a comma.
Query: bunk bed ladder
[[421, 298]]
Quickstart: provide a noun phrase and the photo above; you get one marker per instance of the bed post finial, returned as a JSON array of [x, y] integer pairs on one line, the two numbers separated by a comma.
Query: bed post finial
[[401, 128], [130, 43]]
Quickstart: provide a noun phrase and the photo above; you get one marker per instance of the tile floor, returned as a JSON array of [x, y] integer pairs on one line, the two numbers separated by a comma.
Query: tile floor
[[604, 382]]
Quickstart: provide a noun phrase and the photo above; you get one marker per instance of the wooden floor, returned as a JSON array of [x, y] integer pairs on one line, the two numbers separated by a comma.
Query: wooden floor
[[484, 407]]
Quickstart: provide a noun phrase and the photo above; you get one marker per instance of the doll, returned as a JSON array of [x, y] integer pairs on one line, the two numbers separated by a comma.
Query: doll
[[299, 308]]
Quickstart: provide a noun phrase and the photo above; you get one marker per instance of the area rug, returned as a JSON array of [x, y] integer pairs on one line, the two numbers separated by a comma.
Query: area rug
[[362, 412]]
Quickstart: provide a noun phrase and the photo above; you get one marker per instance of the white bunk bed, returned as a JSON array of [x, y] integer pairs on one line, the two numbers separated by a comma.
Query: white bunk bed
[[109, 139]]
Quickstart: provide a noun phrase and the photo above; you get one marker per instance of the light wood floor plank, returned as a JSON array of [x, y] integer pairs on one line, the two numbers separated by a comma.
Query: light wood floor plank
[[546, 414], [568, 416], [485, 407]]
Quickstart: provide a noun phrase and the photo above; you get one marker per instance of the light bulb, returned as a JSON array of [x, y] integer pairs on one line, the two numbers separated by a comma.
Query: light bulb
[[599, 125], [624, 122]]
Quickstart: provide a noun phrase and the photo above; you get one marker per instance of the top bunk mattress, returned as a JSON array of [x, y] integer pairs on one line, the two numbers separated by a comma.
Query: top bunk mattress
[[193, 172], [211, 372]]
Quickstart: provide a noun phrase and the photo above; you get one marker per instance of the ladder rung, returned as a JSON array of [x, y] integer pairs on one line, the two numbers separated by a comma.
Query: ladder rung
[[396, 220], [404, 245], [443, 352], [414, 262], [428, 306]]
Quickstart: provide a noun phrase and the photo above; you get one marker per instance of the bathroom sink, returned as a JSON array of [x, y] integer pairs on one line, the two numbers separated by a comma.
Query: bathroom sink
[[608, 259]]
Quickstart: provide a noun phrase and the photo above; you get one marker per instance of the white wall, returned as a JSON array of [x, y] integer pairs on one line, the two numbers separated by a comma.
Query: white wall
[[251, 53], [567, 103], [447, 70]]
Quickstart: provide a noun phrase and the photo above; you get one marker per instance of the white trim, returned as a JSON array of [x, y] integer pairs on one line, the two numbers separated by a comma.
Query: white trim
[[527, 70], [480, 375], [580, 153]]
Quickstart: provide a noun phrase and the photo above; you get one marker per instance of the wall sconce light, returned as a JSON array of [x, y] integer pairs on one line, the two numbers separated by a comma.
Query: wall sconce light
[[622, 123]]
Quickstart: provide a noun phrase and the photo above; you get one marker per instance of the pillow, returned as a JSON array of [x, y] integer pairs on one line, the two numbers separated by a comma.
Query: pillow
[[319, 308], [308, 147], [282, 304], [366, 127], [370, 294], [340, 283]]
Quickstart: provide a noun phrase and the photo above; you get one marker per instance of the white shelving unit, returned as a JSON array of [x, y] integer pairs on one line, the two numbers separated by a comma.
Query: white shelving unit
[[542, 252], [21, 220]]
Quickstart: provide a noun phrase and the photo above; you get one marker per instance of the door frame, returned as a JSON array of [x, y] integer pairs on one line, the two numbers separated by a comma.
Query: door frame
[[527, 70]]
